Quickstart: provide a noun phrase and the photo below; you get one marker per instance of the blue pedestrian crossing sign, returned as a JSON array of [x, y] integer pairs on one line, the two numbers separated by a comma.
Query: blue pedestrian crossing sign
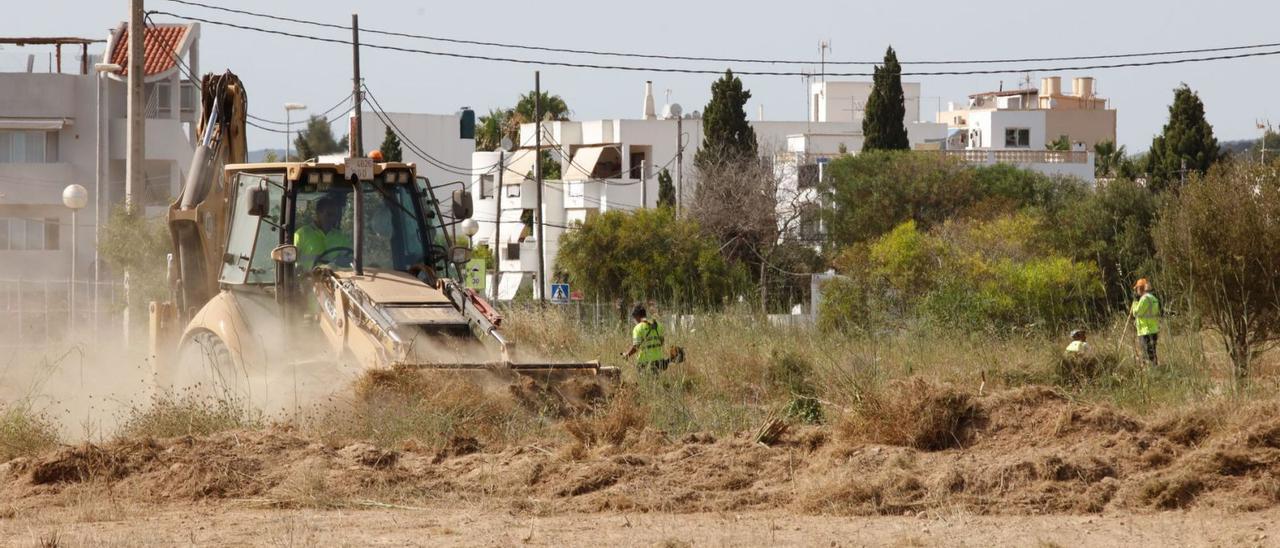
[[559, 293]]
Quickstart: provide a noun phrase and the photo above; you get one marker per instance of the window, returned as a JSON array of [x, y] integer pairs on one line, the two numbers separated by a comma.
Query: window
[[513, 191], [19, 234], [576, 189], [513, 252], [1017, 137], [28, 147], [187, 99], [164, 99], [486, 186]]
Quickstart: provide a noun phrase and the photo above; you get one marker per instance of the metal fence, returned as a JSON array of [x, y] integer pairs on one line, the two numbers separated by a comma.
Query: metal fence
[[39, 312]]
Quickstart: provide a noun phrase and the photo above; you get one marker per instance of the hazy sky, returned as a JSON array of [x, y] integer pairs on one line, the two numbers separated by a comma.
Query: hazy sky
[[279, 69]]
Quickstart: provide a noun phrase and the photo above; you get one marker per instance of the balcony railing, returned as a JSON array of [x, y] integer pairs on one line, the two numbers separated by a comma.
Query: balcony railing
[[1017, 156]]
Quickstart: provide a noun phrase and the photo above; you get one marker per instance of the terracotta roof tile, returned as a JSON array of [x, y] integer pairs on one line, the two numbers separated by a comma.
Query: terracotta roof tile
[[160, 43]]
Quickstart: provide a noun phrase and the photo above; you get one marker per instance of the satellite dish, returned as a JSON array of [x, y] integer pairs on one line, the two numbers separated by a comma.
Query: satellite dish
[[672, 111], [505, 143]]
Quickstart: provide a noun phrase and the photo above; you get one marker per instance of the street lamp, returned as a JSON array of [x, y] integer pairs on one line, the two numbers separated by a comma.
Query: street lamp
[[102, 69], [288, 110], [470, 227], [75, 197]]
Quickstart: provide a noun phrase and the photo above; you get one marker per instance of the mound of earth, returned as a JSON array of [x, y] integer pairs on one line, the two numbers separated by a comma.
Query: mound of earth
[[1025, 451]]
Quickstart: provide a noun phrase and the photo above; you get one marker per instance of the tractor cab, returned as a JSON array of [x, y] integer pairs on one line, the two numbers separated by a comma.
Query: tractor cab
[[291, 222]]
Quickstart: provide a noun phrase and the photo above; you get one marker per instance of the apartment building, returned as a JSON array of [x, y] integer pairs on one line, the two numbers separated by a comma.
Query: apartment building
[[66, 125], [1021, 126]]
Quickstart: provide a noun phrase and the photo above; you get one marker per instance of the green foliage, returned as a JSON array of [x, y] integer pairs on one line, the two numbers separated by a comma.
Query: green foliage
[[792, 374], [666, 190], [271, 157], [138, 245], [883, 126], [505, 122], [1219, 243], [24, 432], [648, 254], [317, 139], [873, 192], [1061, 144], [971, 274], [391, 147], [491, 129], [1186, 137], [726, 134], [1108, 158], [1112, 228]]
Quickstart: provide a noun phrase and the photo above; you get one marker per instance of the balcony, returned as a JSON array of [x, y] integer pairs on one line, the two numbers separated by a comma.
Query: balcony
[[1019, 156]]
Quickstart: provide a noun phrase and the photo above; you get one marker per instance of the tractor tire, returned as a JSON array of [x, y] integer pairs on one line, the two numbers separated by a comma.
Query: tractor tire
[[206, 369]]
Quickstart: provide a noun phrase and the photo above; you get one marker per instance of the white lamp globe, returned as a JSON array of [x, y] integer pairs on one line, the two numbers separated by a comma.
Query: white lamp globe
[[75, 197], [470, 227]]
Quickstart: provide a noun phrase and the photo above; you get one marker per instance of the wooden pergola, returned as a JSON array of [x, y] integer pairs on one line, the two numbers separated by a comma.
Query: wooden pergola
[[57, 43]]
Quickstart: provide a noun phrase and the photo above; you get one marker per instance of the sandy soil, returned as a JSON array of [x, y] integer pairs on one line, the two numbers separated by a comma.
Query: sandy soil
[[238, 524]]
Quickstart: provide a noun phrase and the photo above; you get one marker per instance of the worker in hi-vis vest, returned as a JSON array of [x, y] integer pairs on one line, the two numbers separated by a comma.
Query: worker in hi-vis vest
[[647, 343], [1146, 318]]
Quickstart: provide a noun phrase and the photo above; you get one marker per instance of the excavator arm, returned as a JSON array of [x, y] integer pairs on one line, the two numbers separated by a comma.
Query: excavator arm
[[198, 218]]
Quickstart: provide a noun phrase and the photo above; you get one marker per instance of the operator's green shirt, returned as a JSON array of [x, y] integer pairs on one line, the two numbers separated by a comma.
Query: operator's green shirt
[[647, 336], [1146, 315], [312, 241]]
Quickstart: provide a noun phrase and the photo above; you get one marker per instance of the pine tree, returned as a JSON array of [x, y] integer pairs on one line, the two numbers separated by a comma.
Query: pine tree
[[317, 139], [666, 190], [883, 125], [391, 147], [1187, 137], [726, 134]]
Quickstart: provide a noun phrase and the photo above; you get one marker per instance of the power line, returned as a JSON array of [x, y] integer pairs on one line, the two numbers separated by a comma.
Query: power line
[[1024, 70], [607, 53], [324, 114]]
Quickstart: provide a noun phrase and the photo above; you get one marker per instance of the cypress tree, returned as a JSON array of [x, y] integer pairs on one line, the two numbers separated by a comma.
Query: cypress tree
[[666, 190], [883, 125], [391, 147], [725, 132], [1187, 136]]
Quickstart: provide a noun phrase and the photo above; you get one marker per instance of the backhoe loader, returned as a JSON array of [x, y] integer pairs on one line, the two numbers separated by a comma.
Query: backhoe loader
[[251, 303]]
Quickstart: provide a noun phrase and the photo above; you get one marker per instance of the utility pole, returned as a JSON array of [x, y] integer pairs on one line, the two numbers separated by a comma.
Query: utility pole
[[537, 179], [356, 127], [497, 229], [679, 163], [135, 177], [357, 234]]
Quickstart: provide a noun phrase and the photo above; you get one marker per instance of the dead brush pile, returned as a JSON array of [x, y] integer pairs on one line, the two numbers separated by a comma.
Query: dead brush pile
[[914, 446]]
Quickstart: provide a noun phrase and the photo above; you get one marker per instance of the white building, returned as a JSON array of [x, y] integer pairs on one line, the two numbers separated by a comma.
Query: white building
[[63, 127], [1018, 126], [442, 136], [614, 164]]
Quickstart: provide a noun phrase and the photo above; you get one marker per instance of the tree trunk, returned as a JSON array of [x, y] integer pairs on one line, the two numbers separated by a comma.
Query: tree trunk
[[1238, 349]]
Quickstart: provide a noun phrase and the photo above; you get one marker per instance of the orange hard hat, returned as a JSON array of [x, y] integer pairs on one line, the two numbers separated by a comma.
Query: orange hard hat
[[1142, 283], [375, 155]]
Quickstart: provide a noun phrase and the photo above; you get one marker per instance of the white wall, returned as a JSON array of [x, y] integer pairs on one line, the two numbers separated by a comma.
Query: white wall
[[436, 134], [844, 101]]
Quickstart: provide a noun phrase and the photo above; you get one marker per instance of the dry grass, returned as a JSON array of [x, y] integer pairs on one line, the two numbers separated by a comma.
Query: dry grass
[[422, 409], [913, 413], [187, 415], [24, 432]]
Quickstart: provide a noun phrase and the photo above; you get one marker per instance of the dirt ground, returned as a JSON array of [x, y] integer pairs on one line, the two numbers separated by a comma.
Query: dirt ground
[[239, 524], [926, 465]]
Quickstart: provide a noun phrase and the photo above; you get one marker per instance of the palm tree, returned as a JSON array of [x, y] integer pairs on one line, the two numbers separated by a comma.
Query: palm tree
[[1108, 158], [491, 129], [501, 123]]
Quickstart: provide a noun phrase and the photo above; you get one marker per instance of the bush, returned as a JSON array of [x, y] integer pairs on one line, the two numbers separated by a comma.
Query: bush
[[1219, 242], [138, 245], [969, 274], [24, 433], [648, 254]]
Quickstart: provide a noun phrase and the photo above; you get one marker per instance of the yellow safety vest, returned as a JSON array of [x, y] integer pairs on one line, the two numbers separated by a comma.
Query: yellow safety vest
[[1146, 315], [647, 336], [312, 241]]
